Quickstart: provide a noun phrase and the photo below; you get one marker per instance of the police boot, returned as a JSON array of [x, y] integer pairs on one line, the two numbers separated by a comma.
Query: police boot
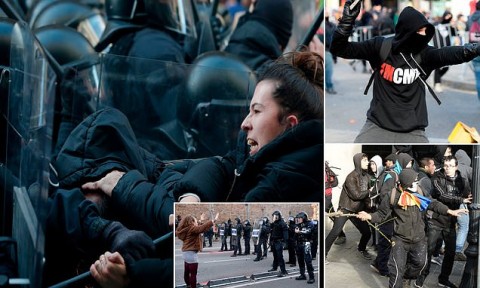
[[301, 277], [311, 280]]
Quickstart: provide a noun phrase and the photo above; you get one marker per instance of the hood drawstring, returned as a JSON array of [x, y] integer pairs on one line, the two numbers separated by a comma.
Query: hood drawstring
[[421, 79]]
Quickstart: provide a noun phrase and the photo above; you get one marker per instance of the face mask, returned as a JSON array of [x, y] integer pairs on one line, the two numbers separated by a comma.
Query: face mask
[[414, 187]]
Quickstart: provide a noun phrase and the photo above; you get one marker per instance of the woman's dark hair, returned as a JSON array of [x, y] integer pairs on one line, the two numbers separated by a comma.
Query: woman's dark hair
[[299, 89]]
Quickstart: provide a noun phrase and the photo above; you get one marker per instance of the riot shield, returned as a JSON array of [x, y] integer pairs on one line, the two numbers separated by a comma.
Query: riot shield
[[177, 111], [25, 172]]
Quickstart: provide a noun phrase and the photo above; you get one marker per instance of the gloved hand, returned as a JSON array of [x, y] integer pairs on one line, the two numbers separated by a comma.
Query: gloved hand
[[347, 22], [131, 244], [284, 245]]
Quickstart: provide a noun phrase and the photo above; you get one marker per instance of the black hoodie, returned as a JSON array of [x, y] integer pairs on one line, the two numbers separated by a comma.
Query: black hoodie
[[398, 102]]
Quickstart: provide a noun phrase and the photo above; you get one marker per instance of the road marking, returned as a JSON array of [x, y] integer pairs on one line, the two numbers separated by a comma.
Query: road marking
[[227, 260]]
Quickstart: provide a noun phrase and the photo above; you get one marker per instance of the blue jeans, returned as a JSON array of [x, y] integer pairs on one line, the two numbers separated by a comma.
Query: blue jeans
[[476, 70], [328, 70], [462, 231]]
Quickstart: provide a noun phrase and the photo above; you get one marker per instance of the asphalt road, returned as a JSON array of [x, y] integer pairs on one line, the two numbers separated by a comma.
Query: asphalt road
[[218, 268]]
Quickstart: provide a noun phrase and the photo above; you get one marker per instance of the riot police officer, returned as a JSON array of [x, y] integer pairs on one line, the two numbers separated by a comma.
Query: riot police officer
[[262, 239], [278, 238], [228, 231], [292, 259], [223, 236], [303, 233], [247, 232], [238, 238]]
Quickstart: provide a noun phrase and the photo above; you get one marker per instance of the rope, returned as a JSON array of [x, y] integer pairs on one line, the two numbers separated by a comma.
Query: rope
[[376, 227]]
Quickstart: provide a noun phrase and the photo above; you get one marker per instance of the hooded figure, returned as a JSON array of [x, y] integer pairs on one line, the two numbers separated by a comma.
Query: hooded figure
[[353, 198], [262, 35], [398, 110]]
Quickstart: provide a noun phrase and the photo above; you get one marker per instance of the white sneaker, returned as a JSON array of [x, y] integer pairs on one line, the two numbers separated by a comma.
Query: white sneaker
[[437, 260], [438, 88]]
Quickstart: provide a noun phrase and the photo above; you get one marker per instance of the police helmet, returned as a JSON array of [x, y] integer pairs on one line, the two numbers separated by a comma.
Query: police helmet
[[173, 15], [66, 45], [79, 16], [291, 220], [301, 215], [125, 10], [277, 213], [265, 220], [68, 13], [246, 223], [215, 101]]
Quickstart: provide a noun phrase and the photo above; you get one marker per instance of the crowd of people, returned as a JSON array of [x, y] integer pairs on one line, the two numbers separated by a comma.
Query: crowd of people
[[299, 236], [414, 201]]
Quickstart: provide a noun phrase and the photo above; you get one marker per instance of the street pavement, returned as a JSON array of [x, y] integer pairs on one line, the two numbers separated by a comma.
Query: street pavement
[[218, 269], [347, 269], [345, 112]]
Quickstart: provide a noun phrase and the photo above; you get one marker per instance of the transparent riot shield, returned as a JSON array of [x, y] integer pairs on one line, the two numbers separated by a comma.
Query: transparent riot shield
[[25, 168], [177, 111]]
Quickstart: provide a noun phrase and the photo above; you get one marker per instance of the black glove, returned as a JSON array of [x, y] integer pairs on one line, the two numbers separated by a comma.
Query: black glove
[[284, 245], [346, 23], [131, 244]]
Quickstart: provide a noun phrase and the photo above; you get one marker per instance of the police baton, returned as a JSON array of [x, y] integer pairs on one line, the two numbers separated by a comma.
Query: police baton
[[312, 30], [87, 276]]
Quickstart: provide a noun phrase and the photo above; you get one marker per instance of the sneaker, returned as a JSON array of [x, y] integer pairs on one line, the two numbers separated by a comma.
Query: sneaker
[[301, 277], [340, 240], [446, 283], [331, 91], [437, 260], [419, 282], [365, 254], [459, 256]]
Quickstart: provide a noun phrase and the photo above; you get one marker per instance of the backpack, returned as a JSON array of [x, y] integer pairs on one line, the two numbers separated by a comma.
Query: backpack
[[384, 52], [331, 179], [474, 33]]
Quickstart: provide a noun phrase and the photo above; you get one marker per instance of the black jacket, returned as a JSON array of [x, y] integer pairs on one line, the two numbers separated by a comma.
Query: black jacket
[[105, 141], [398, 102], [355, 189], [409, 223], [450, 192], [290, 168]]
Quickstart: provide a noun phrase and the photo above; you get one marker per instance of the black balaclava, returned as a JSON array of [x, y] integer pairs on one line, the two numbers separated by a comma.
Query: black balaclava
[[277, 15], [406, 39]]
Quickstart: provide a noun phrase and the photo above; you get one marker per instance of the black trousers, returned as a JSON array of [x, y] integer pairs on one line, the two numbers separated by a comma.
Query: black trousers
[[338, 224], [304, 254], [449, 237], [384, 247], [278, 256], [247, 246], [415, 254], [291, 251]]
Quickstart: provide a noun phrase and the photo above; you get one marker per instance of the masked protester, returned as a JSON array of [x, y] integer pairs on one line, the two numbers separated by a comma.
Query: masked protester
[[398, 110]]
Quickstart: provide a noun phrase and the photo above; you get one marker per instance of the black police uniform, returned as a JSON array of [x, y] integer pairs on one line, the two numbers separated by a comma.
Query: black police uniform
[[247, 232], [304, 248], [278, 238], [292, 259]]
